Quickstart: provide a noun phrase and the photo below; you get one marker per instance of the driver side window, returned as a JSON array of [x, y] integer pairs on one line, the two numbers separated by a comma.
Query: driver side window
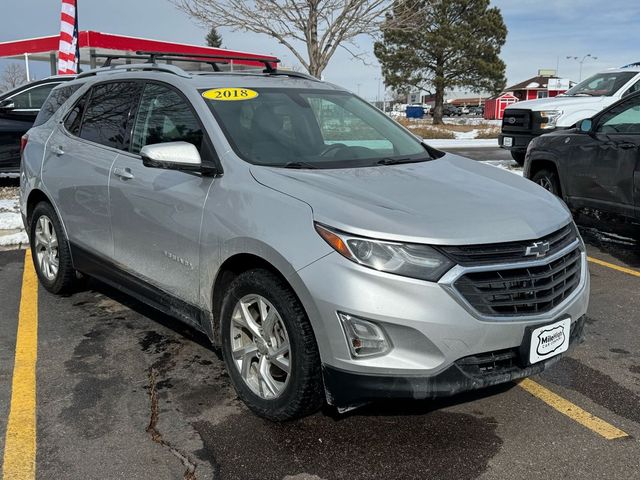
[[625, 119]]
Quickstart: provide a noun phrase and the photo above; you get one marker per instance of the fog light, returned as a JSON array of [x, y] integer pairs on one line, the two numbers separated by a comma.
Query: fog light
[[365, 338]]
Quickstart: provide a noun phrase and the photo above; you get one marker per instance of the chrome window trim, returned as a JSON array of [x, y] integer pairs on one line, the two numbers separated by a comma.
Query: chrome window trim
[[448, 280]]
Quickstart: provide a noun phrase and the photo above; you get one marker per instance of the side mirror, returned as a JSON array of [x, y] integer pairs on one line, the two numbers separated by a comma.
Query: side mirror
[[7, 105], [172, 156], [586, 125]]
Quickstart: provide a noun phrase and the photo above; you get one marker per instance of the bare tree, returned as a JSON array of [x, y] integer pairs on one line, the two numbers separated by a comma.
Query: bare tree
[[311, 29], [13, 76]]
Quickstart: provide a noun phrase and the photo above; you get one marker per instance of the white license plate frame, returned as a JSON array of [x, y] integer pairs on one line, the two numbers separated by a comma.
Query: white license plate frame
[[548, 341]]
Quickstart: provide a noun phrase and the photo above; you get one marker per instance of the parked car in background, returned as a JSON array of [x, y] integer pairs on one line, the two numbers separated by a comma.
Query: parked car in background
[[595, 165], [18, 110], [524, 121], [330, 253], [464, 110], [449, 111], [478, 111]]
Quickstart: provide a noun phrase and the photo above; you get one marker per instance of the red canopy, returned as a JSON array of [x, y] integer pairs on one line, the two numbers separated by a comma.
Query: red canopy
[[98, 43]]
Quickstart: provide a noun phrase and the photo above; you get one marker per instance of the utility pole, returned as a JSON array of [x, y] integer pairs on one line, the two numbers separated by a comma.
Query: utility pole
[[581, 61]]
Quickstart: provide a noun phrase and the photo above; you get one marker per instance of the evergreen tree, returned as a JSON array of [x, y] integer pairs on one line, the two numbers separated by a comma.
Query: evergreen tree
[[214, 39], [453, 43]]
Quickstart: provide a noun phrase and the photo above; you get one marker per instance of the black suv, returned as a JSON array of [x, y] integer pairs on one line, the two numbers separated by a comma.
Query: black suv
[[595, 166], [18, 110]]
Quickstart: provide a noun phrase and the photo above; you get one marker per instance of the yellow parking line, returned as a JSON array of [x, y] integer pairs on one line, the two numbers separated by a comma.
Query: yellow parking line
[[19, 461], [572, 411], [597, 261]]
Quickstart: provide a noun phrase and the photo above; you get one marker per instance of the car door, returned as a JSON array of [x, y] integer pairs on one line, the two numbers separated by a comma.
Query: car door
[[79, 156], [603, 164], [16, 118], [156, 213]]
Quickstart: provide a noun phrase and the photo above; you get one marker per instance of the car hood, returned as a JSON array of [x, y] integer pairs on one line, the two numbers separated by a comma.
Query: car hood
[[561, 103], [449, 201]]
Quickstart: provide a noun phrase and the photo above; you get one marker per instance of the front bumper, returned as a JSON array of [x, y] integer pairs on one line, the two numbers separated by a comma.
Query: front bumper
[[520, 141], [347, 389]]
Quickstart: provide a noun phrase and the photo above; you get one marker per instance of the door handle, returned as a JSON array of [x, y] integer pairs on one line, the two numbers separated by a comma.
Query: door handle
[[57, 150], [123, 173]]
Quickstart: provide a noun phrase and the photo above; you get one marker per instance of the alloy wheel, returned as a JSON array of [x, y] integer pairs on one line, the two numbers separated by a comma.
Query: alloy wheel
[[260, 346], [46, 248], [546, 183]]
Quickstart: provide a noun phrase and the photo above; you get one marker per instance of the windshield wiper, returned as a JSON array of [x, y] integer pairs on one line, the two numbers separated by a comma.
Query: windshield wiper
[[298, 165], [397, 161]]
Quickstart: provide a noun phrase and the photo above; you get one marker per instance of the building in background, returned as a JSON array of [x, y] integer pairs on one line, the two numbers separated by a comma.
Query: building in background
[[545, 84]]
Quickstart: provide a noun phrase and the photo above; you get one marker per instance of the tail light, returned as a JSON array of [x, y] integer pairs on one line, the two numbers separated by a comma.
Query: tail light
[[23, 143]]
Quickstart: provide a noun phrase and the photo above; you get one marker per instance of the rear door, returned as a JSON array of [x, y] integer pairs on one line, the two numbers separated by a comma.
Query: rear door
[[79, 158], [156, 214]]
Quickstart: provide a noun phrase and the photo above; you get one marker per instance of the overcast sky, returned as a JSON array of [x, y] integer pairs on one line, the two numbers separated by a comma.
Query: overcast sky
[[542, 34]]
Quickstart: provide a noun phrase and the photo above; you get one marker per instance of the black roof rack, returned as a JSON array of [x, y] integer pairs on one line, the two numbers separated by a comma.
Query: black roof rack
[[631, 65], [213, 60]]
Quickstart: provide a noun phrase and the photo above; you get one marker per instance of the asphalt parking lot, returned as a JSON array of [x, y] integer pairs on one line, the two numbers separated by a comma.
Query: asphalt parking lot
[[123, 391]]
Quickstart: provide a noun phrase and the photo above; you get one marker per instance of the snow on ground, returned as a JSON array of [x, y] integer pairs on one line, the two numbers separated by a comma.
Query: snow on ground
[[12, 232], [16, 239], [471, 121], [10, 221], [472, 134], [464, 143]]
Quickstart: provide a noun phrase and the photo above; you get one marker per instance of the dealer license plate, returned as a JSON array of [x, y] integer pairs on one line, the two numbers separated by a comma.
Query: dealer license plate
[[507, 141], [549, 340]]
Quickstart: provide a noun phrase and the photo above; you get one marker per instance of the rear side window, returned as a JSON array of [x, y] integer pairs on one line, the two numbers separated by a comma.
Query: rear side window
[[164, 116], [32, 98], [72, 122], [107, 113], [55, 100]]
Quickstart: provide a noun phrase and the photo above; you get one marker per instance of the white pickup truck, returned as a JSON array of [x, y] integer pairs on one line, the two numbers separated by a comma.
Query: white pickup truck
[[524, 121]]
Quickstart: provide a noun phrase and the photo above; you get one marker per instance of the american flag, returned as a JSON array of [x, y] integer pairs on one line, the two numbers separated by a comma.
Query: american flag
[[69, 50]]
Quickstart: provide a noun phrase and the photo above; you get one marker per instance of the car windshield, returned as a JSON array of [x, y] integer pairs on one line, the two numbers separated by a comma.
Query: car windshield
[[601, 85], [300, 128]]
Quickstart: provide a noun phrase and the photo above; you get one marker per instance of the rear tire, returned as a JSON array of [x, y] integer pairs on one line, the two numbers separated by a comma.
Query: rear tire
[[548, 180], [518, 156], [50, 250], [275, 385]]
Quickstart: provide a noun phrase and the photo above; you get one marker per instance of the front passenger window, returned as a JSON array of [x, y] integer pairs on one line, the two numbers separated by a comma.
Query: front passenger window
[[164, 116], [624, 119]]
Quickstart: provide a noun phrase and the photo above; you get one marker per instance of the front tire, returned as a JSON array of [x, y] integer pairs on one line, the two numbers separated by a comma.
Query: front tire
[[548, 180], [50, 250], [269, 347], [518, 156]]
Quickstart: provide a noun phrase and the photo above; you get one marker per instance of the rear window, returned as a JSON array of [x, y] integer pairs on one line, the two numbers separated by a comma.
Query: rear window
[[107, 113], [54, 101]]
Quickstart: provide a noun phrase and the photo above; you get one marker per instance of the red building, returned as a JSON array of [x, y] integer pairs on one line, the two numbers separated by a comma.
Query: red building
[[494, 107], [540, 86]]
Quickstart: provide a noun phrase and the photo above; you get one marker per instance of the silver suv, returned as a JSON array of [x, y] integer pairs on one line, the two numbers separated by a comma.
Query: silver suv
[[330, 253]]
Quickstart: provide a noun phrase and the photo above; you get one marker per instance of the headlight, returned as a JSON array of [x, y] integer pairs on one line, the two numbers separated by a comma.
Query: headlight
[[549, 118], [406, 259]]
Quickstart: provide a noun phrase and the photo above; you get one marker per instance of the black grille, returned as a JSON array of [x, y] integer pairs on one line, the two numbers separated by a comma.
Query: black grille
[[515, 120], [524, 290], [492, 253]]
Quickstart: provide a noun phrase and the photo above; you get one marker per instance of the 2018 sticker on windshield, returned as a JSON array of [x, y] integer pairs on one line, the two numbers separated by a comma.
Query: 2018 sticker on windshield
[[230, 94]]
